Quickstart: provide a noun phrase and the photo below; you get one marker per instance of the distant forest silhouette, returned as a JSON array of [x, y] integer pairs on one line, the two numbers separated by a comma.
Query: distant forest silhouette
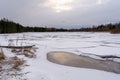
[[7, 26]]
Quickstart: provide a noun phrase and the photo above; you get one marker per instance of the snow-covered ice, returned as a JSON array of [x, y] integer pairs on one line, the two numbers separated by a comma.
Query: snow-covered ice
[[77, 42]]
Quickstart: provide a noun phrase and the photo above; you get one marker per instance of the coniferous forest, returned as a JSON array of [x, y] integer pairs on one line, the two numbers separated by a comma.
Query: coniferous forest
[[7, 26]]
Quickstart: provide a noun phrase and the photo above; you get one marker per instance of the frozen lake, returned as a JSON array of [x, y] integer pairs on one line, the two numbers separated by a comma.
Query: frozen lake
[[76, 42], [94, 43]]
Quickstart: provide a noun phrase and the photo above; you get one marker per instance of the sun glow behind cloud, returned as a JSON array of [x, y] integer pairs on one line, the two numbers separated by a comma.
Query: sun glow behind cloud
[[59, 5]]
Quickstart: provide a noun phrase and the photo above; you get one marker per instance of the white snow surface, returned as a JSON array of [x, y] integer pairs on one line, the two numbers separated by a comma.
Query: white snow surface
[[76, 42]]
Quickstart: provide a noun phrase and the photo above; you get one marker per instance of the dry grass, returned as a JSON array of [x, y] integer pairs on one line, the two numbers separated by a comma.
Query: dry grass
[[17, 62], [11, 68], [28, 52], [12, 63], [2, 56]]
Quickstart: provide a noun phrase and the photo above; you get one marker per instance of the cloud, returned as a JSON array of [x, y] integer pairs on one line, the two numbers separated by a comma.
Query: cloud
[[99, 2], [59, 5], [90, 3], [67, 5]]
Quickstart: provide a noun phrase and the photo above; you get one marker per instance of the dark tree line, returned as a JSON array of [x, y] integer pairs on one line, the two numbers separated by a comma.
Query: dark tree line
[[7, 26], [113, 28]]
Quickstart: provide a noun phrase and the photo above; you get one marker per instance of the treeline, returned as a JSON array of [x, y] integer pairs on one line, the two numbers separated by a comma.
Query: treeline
[[113, 28], [7, 26]]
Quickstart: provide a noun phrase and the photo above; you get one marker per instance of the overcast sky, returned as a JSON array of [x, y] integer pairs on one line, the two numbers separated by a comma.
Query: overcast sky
[[61, 13]]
